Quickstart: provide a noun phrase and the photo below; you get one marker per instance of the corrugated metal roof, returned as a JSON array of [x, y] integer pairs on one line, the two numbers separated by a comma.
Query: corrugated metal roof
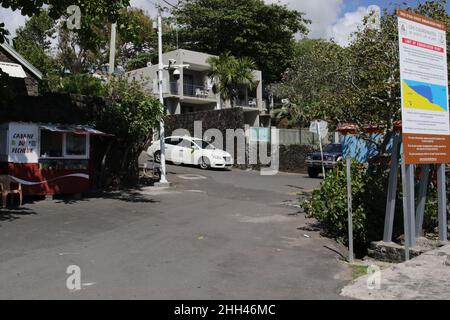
[[82, 130], [13, 70], [21, 60]]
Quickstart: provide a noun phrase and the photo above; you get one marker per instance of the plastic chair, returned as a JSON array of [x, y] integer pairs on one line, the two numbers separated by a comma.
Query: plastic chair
[[5, 190]]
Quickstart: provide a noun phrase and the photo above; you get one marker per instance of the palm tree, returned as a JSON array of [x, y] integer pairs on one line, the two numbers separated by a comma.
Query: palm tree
[[231, 74]]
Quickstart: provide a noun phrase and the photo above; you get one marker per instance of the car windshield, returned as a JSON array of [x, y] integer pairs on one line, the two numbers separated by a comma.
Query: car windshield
[[204, 145], [333, 148]]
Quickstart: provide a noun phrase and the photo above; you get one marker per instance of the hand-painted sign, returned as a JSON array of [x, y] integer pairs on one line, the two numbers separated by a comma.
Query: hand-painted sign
[[424, 85], [23, 143]]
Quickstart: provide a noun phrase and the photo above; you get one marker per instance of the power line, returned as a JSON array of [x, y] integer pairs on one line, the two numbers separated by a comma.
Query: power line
[[173, 6]]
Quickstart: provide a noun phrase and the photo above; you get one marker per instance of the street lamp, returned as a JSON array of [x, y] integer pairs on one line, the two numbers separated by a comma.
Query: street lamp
[[172, 66]]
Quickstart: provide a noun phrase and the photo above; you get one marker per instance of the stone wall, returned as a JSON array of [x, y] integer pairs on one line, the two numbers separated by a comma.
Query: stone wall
[[53, 108], [221, 120], [218, 119], [292, 158]]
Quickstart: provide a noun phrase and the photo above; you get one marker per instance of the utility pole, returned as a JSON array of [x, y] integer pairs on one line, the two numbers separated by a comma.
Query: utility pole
[[112, 50], [163, 181], [161, 68]]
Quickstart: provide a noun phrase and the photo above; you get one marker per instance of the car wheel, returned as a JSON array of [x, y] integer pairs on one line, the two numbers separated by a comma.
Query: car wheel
[[204, 163], [157, 156], [313, 173]]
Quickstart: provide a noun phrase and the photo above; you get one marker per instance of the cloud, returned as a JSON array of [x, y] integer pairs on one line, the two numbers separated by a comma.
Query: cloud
[[12, 20], [327, 19], [341, 31], [326, 15], [148, 6], [323, 13]]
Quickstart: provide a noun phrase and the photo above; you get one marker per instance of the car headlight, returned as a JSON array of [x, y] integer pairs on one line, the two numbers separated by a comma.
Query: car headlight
[[330, 158], [216, 157], [308, 158]]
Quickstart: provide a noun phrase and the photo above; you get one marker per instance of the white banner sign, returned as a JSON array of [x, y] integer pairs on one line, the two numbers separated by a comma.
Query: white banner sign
[[23, 143], [424, 86], [424, 76]]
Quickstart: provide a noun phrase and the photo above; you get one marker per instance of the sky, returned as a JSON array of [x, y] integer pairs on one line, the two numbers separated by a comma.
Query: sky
[[336, 19]]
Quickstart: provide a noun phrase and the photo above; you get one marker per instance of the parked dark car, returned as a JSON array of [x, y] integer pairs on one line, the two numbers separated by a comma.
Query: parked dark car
[[332, 154]]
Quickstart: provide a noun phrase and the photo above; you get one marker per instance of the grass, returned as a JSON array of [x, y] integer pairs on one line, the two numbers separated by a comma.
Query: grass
[[358, 270]]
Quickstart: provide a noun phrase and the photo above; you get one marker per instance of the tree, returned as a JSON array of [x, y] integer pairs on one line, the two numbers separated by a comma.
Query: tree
[[131, 116], [359, 84], [141, 60], [90, 9], [88, 48], [232, 75], [83, 84], [313, 81], [245, 28], [136, 36], [78, 49], [79, 53], [33, 42]]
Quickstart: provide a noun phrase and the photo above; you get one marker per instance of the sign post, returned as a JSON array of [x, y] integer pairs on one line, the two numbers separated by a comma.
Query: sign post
[[350, 209], [321, 129], [424, 85], [425, 112]]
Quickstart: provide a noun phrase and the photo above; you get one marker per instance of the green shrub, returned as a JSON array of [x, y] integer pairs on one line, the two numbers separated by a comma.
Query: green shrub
[[84, 84], [328, 205]]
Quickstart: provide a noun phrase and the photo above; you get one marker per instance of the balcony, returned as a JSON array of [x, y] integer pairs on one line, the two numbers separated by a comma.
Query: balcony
[[247, 103], [197, 91], [173, 85]]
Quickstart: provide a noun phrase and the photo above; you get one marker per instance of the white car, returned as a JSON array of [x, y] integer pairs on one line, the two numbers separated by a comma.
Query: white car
[[193, 151]]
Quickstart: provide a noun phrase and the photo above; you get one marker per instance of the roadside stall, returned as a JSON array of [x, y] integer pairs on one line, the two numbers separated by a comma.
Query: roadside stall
[[47, 159]]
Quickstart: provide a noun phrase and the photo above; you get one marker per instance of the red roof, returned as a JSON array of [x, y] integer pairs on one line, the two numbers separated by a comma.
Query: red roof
[[352, 128]]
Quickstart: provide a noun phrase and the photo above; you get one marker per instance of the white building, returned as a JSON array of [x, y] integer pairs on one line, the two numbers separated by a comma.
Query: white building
[[193, 90]]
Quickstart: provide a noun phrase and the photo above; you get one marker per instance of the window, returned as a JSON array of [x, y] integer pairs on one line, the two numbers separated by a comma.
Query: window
[[333, 148], [63, 145], [173, 141], [51, 144], [186, 144], [204, 144], [76, 145]]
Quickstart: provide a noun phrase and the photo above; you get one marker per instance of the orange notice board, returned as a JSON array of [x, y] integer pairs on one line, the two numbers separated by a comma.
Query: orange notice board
[[424, 86]]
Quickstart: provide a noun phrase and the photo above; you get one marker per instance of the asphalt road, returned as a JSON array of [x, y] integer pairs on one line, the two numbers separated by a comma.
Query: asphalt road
[[213, 235]]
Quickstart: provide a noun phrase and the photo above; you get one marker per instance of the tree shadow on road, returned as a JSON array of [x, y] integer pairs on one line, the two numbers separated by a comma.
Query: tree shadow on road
[[132, 196], [15, 213]]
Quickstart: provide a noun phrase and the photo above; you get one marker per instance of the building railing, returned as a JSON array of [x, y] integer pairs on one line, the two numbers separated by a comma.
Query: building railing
[[173, 87], [197, 91], [249, 103]]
